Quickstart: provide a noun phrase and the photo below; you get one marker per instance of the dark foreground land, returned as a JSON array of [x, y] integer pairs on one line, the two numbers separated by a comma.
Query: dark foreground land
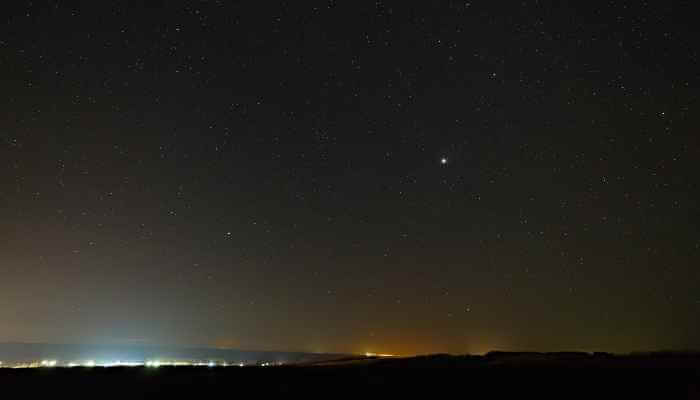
[[500, 375]]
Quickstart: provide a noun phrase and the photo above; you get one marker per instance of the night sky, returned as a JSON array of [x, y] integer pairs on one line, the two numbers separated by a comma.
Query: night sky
[[351, 176]]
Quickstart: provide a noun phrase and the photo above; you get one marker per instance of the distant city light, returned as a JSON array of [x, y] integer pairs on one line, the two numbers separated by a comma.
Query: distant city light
[[379, 355], [119, 363]]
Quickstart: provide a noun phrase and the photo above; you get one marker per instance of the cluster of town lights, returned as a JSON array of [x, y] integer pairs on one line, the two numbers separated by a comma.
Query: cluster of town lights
[[148, 363]]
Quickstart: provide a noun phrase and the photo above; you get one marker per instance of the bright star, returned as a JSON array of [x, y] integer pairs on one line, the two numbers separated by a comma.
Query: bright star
[[443, 161]]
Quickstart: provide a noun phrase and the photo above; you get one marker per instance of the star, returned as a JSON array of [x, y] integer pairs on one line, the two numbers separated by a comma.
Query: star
[[443, 161]]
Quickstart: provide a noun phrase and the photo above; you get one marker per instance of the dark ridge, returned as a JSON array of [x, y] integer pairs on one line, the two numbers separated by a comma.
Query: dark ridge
[[501, 375]]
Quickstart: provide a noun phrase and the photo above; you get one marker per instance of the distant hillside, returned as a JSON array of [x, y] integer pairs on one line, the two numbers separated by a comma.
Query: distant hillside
[[669, 375], [673, 359]]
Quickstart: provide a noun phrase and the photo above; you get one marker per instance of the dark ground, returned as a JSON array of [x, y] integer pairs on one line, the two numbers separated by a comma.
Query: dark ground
[[510, 375]]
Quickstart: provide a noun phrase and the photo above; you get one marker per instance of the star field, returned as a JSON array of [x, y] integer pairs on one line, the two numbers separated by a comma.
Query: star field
[[366, 176]]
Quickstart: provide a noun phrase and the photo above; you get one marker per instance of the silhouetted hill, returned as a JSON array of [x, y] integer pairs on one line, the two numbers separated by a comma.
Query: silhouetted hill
[[495, 375], [555, 359]]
